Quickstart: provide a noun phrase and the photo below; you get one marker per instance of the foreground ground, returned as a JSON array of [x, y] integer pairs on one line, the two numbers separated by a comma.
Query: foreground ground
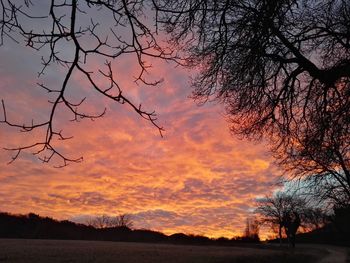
[[17, 250], [335, 254]]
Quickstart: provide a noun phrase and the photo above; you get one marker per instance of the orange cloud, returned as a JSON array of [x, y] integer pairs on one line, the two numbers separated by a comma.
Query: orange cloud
[[197, 179]]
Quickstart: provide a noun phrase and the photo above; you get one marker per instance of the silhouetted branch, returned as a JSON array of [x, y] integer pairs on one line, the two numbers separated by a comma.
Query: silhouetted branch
[[63, 25], [282, 70]]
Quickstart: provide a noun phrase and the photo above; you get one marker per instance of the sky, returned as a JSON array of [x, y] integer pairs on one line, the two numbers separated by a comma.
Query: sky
[[197, 179]]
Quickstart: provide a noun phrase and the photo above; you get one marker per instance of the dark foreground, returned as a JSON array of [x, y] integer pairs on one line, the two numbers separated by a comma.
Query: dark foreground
[[29, 250]]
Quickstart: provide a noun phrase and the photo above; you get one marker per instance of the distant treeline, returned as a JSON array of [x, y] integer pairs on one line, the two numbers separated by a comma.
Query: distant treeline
[[33, 226]]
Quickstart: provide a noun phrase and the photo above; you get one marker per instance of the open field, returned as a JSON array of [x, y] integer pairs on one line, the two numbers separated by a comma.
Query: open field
[[27, 250]]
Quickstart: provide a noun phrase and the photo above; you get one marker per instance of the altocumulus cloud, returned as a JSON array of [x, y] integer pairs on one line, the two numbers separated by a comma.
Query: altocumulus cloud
[[197, 179]]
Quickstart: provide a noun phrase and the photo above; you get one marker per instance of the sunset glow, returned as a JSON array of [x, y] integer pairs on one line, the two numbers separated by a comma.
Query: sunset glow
[[197, 179]]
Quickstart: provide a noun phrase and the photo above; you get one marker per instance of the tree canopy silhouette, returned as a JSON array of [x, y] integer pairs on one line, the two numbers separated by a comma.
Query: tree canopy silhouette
[[282, 70], [274, 210], [289, 212]]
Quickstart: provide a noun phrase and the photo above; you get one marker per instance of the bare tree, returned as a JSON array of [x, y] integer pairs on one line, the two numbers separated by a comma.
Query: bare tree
[[106, 221], [123, 220], [282, 70], [323, 166], [102, 221], [281, 211], [251, 231], [52, 26]]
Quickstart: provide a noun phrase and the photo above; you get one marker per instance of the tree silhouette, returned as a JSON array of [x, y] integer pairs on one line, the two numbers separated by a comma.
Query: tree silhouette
[[51, 27], [251, 231], [282, 70], [282, 211], [123, 220], [105, 221]]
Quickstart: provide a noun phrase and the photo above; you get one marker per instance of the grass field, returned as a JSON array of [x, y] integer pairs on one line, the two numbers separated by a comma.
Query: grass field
[[17, 250]]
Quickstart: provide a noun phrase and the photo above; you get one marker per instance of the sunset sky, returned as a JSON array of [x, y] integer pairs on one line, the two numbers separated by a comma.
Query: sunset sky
[[197, 179]]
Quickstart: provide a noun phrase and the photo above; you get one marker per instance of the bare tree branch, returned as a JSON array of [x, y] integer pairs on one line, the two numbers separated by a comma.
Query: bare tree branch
[[129, 35]]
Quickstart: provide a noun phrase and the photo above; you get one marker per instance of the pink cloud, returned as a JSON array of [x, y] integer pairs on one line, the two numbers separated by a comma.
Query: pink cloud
[[197, 179]]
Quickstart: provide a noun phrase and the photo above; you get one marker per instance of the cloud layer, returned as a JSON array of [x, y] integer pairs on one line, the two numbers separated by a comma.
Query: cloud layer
[[197, 179]]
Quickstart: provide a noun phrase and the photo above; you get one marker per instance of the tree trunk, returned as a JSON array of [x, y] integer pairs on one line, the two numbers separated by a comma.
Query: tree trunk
[[280, 234]]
